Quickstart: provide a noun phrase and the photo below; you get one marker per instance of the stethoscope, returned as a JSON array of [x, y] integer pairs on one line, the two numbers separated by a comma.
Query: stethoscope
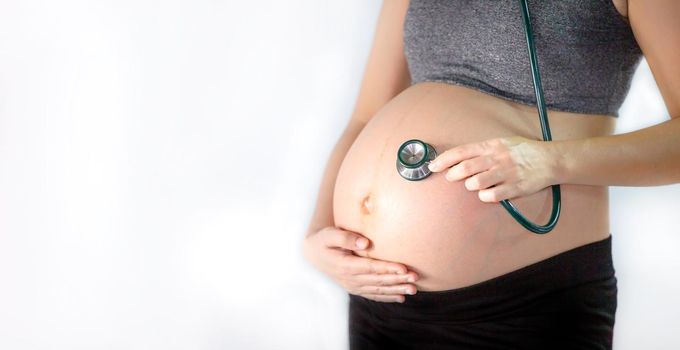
[[414, 155]]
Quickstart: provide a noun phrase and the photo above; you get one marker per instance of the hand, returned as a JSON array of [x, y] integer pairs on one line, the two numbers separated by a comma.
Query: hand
[[517, 166], [331, 250]]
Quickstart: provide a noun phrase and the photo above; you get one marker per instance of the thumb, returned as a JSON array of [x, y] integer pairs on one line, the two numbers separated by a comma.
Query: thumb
[[351, 240]]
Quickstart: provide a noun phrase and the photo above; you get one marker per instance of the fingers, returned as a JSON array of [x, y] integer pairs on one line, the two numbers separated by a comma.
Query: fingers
[[384, 284], [395, 289], [374, 279], [484, 179], [456, 155], [497, 193], [377, 288], [386, 279], [355, 265], [469, 167], [385, 298]]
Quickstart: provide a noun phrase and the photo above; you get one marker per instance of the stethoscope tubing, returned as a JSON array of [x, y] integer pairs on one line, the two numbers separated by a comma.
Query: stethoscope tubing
[[424, 153], [545, 127]]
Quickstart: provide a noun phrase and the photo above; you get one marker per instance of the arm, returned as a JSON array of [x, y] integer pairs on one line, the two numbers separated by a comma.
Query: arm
[[516, 166], [649, 156], [386, 75], [646, 157]]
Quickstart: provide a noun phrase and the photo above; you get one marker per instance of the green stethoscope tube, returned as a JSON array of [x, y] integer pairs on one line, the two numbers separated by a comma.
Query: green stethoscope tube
[[555, 214]]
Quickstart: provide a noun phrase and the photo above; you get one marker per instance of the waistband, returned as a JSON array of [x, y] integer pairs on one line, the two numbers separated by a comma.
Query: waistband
[[506, 293]]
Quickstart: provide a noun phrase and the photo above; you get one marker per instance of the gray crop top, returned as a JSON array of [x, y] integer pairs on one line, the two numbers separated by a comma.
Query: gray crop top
[[586, 50]]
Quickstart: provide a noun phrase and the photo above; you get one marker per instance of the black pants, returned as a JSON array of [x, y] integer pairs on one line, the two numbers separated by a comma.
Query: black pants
[[567, 301]]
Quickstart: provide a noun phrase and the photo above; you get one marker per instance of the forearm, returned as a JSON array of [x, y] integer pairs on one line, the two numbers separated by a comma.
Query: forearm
[[645, 157], [323, 212]]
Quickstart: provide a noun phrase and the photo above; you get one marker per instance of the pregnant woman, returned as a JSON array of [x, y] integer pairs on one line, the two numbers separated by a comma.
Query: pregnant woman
[[439, 263]]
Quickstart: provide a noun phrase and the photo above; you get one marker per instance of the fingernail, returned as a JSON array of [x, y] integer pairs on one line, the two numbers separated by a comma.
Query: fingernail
[[362, 242], [433, 166], [411, 279]]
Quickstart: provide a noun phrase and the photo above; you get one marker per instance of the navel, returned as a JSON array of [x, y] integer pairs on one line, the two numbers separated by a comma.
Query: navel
[[366, 204]]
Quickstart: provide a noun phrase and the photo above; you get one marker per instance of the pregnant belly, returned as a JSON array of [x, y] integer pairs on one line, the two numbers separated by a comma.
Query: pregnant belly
[[438, 228]]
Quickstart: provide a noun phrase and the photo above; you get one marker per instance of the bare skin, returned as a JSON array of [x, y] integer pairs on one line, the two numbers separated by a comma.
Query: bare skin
[[455, 239], [438, 228]]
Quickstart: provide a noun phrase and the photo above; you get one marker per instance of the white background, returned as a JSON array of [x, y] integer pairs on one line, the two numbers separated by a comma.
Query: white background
[[159, 162]]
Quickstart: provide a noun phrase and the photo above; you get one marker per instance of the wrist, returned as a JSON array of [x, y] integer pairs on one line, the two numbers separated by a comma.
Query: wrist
[[560, 164]]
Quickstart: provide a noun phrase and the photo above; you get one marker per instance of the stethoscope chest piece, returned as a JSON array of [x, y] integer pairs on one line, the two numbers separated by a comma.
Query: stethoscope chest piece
[[413, 158]]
